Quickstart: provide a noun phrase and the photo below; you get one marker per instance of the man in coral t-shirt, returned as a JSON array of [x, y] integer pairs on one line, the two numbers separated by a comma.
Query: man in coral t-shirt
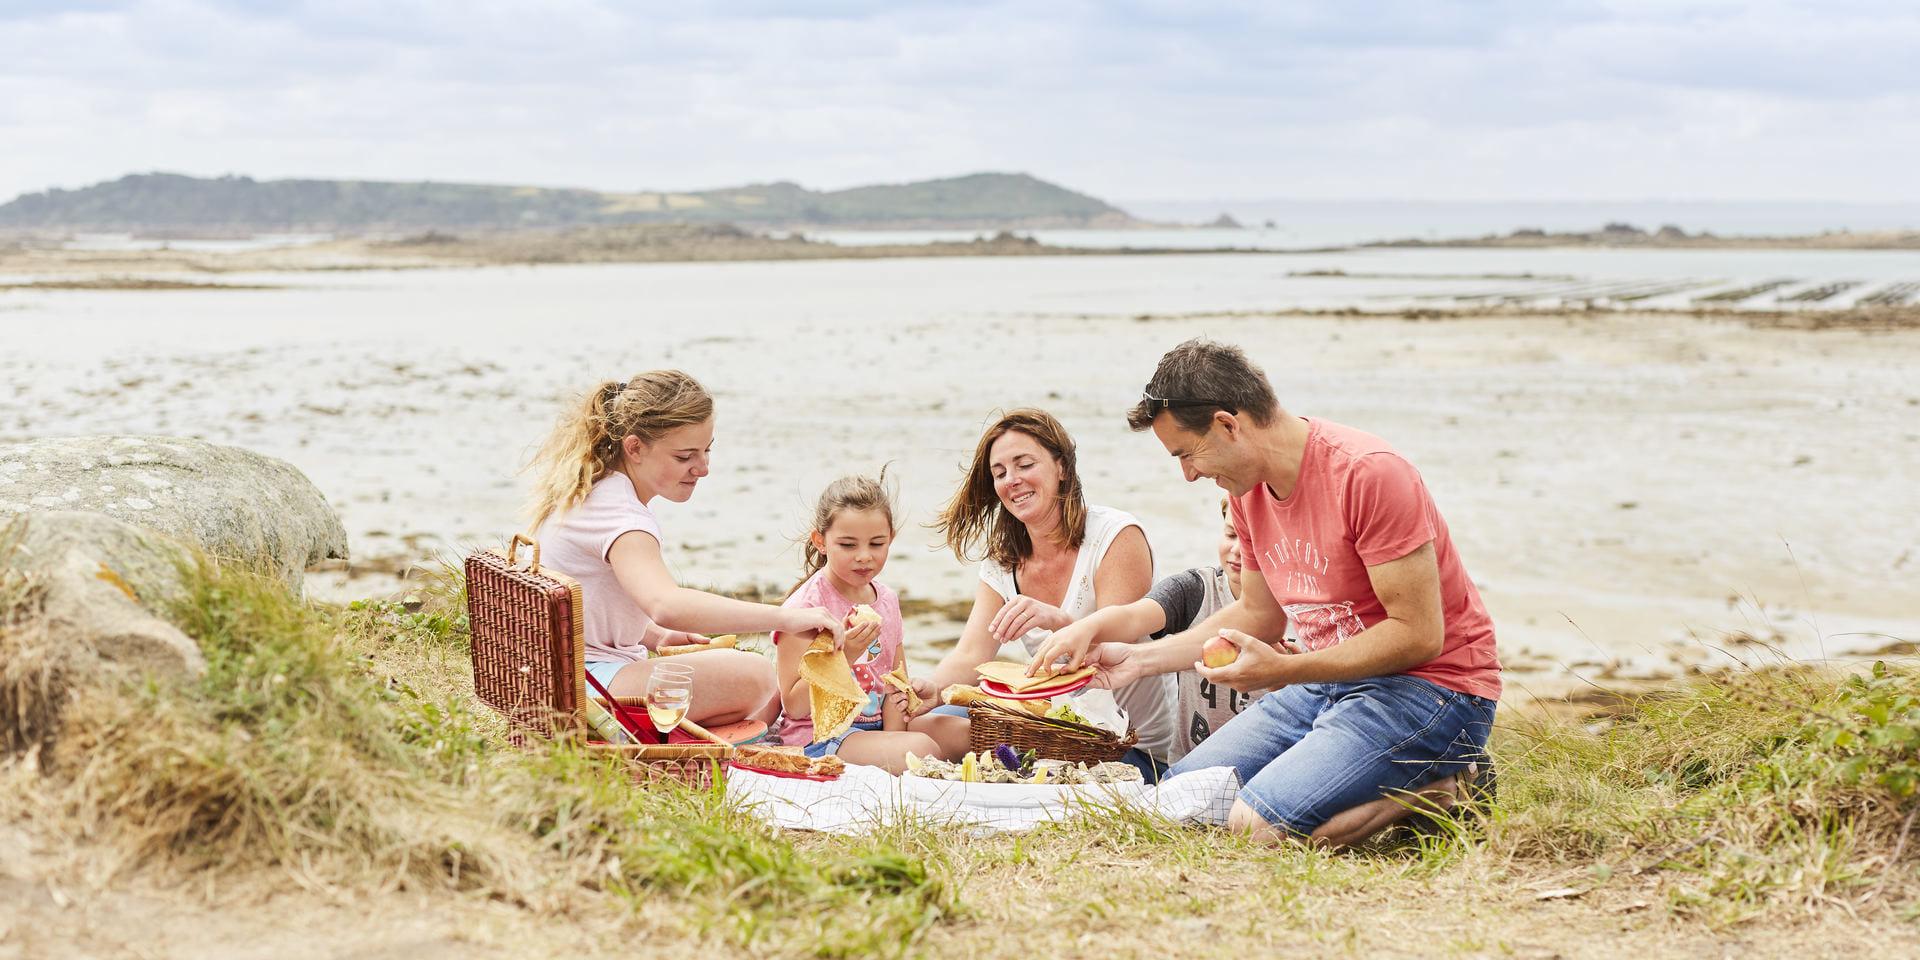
[[1390, 691]]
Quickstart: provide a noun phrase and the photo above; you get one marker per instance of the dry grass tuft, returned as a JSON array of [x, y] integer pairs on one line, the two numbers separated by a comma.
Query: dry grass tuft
[[34, 673]]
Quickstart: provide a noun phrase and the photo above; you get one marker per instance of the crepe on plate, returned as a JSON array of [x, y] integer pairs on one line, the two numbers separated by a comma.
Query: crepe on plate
[[1014, 677]]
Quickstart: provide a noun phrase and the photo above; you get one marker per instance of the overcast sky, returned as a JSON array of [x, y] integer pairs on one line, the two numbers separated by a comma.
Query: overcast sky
[[1503, 99]]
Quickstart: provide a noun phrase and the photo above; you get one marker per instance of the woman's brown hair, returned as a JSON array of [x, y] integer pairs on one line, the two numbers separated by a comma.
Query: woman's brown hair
[[585, 445], [975, 515]]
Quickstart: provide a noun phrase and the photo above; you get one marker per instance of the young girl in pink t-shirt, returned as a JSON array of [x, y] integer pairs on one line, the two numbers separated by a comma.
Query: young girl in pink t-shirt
[[847, 547]]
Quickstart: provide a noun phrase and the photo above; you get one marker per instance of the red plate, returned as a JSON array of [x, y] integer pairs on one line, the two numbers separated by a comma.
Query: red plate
[[993, 688]]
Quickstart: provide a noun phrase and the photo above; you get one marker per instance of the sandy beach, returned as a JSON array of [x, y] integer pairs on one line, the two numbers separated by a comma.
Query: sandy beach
[[1638, 494]]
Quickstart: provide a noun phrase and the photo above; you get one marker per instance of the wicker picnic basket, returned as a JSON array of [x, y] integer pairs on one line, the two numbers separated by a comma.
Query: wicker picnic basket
[[1048, 739], [529, 664]]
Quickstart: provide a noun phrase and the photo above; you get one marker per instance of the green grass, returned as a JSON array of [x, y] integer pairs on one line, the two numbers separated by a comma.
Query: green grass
[[298, 750], [342, 748]]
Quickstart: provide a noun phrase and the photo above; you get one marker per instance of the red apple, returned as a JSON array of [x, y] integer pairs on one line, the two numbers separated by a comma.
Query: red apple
[[1218, 652]]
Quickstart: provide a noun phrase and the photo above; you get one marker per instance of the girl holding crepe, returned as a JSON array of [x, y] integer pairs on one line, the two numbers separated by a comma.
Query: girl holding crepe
[[874, 720]]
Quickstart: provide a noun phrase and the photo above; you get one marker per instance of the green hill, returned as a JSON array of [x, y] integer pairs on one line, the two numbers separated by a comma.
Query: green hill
[[165, 202]]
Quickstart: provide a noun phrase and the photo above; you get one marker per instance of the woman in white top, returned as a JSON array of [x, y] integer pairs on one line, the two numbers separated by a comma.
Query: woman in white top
[[1050, 559], [612, 453]]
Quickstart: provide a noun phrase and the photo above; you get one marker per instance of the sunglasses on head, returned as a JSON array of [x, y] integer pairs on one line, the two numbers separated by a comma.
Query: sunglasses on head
[[1155, 404]]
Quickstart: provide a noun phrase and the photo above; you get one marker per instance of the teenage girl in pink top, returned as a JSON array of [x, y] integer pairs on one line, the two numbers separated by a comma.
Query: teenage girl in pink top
[[612, 453]]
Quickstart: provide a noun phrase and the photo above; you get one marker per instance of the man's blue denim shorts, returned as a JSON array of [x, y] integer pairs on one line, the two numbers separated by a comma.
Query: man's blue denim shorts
[[1308, 751]]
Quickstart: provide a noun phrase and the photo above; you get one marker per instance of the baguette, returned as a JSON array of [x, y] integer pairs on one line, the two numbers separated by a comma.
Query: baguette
[[717, 643], [961, 695], [789, 760]]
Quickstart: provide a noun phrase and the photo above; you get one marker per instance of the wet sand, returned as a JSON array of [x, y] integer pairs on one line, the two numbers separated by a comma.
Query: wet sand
[[1637, 494]]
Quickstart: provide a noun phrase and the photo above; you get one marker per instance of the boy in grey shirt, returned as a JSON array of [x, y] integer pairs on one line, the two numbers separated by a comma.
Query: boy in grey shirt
[[1174, 604]]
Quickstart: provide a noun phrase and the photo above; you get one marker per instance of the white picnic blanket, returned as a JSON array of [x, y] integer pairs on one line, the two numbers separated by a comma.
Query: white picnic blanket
[[866, 797]]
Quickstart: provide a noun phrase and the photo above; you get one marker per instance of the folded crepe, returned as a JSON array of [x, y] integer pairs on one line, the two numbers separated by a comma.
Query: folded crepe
[[835, 696], [1014, 677], [899, 681], [715, 643]]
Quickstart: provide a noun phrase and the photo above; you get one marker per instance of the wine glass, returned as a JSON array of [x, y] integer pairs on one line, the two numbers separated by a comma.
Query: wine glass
[[669, 691]]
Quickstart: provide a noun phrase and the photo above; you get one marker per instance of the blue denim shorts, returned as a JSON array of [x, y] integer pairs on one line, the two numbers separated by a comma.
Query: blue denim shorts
[[829, 747], [1308, 751], [603, 670]]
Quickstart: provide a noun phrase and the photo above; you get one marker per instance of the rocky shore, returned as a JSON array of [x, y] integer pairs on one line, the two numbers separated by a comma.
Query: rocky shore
[[49, 260], [1673, 237]]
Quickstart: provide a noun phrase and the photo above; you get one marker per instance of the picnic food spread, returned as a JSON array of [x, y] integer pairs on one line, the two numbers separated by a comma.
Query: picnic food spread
[[836, 698], [725, 642], [991, 766]]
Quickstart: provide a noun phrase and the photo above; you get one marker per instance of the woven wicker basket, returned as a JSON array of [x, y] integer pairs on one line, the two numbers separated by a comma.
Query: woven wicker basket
[[1048, 739], [529, 663]]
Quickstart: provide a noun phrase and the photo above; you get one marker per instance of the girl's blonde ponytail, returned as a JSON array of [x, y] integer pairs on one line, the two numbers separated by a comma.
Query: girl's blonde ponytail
[[585, 444]]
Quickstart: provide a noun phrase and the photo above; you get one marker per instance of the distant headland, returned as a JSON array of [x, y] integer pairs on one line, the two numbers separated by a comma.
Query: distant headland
[[174, 205]]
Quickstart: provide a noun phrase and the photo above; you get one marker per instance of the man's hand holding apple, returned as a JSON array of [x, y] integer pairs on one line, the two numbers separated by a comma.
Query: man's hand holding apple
[[1244, 662]]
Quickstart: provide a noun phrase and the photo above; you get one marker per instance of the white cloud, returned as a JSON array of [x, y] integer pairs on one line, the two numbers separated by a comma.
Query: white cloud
[[1396, 98]]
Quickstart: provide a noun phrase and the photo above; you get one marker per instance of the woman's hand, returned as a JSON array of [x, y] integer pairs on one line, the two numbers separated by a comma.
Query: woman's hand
[[1072, 642], [676, 638], [805, 620], [1022, 614]]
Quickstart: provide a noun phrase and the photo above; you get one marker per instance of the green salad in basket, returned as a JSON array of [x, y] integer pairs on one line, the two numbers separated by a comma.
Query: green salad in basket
[[1062, 709]]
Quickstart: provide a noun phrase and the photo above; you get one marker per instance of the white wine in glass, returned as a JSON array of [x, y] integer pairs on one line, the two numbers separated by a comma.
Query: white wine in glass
[[666, 708], [669, 691]]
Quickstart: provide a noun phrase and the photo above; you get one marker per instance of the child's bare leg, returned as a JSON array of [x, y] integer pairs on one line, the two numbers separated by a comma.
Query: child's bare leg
[[768, 712], [884, 749], [953, 734]]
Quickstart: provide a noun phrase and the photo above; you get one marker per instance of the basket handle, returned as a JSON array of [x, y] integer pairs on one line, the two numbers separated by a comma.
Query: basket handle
[[513, 547]]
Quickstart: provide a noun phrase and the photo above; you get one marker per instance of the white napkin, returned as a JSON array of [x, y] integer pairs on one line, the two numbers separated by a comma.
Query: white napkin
[[1100, 709]]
